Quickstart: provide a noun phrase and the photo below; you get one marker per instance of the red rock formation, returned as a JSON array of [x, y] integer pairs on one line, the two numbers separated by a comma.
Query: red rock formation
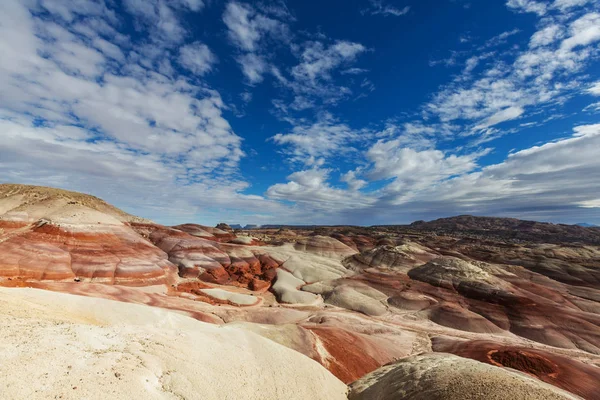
[[357, 242], [324, 246], [348, 353], [101, 253], [211, 261], [206, 232]]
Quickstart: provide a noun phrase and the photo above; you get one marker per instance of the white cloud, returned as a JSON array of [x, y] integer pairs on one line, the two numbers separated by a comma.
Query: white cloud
[[584, 31], [507, 114], [590, 203], [310, 143], [197, 58], [246, 97], [312, 82], [354, 71], [318, 60], [594, 107], [564, 5], [242, 30], [378, 7], [594, 89], [530, 6], [159, 17], [69, 11], [546, 36], [413, 169], [556, 179], [352, 181], [247, 27], [249, 30], [253, 67], [310, 188], [109, 49], [553, 181]]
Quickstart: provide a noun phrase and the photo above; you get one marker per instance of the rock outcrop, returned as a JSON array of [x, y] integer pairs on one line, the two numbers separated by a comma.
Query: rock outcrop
[[49, 234]]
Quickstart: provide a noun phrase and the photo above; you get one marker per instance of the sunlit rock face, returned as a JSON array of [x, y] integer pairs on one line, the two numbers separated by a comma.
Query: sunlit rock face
[[49, 234], [210, 259], [351, 299]]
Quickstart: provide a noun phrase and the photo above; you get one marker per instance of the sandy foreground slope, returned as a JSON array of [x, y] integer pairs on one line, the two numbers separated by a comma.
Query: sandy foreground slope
[[71, 347]]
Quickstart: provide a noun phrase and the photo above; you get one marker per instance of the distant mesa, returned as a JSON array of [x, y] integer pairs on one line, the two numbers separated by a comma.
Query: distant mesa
[[237, 226], [224, 227]]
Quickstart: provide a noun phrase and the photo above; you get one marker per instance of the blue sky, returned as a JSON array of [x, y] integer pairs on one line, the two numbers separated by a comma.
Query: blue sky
[[336, 112]]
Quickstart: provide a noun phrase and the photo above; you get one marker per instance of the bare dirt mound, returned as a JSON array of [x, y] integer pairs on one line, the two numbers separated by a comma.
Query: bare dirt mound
[[572, 375], [438, 376]]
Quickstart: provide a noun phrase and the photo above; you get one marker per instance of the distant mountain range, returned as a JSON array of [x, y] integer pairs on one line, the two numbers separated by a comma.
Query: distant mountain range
[[249, 226], [510, 229], [586, 225]]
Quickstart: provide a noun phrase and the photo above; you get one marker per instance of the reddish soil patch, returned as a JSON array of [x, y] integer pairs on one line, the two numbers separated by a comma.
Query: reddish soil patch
[[524, 361], [349, 360]]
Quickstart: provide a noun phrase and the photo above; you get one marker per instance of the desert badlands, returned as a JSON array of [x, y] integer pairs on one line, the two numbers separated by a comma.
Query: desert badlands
[[99, 304]]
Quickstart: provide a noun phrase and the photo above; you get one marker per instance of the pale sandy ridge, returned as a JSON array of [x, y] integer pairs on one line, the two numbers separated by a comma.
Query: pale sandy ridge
[[87, 348], [38, 202]]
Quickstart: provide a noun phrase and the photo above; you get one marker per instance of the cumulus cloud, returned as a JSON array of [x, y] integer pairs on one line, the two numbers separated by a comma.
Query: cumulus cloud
[[310, 188], [246, 27], [159, 17], [88, 107], [312, 143], [594, 89], [197, 58], [564, 5], [415, 169], [318, 60], [530, 6], [546, 36], [253, 67], [249, 30], [258, 31]]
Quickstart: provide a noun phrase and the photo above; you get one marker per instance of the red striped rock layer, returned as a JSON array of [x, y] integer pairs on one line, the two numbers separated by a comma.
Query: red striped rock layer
[[104, 253], [212, 261]]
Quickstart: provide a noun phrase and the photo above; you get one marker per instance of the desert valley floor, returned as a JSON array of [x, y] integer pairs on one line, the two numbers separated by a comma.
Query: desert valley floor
[[97, 303]]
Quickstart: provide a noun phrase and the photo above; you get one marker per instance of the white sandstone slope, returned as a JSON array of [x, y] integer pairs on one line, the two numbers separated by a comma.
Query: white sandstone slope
[[70, 347]]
